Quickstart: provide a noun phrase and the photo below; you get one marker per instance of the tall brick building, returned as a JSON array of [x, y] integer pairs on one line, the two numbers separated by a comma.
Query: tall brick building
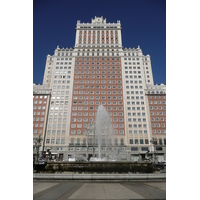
[[98, 70]]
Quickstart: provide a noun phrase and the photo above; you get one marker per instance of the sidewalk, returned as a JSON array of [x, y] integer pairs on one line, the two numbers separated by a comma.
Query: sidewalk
[[76, 176]]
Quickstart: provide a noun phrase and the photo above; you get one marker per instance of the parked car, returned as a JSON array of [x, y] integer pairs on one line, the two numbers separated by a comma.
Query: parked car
[[164, 162], [72, 160], [41, 161]]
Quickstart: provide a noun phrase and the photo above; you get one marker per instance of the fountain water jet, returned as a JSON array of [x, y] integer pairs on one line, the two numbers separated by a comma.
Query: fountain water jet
[[103, 130]]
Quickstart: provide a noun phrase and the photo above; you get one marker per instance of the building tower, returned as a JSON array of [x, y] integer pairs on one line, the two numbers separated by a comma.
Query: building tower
[[98, 71]]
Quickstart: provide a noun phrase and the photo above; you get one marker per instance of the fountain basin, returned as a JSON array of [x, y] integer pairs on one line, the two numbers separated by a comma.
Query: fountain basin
[[96, 167]]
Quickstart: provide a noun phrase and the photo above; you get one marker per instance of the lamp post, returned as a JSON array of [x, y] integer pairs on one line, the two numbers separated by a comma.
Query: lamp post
[[91, 127], [38, 141], [154, 143]]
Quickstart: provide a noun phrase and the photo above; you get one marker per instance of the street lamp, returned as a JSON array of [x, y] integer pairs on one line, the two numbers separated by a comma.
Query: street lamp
[[38, 141], [91, 126], [154, 143], [91, 129]]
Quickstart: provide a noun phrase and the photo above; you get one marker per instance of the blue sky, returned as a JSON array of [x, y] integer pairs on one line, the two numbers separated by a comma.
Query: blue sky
[[143, 23]]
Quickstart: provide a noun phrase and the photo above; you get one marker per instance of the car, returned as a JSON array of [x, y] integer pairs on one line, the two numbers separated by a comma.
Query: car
[[41, 161], [72, 160], [164, 162]]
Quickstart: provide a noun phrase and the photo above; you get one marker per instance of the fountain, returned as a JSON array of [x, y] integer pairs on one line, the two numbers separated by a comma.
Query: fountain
[[103, 130]]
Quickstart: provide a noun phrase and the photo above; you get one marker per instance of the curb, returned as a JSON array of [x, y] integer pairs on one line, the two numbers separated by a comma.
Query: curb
[[99, 176]]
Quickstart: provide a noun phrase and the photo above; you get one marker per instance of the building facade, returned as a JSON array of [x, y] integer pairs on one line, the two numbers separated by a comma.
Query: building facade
[[98, 71], [41, 100], [156, 97]]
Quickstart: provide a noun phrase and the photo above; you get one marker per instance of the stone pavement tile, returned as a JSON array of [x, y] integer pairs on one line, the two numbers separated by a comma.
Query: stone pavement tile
[[40, 186], [145, 190], [56, 191], [104, 191], [160, 185]]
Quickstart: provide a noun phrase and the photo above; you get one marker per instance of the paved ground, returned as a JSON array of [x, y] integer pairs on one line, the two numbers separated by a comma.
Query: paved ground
[[62, 190]]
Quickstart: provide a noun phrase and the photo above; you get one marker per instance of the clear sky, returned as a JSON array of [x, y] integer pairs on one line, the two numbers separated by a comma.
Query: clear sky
[[143, 23]]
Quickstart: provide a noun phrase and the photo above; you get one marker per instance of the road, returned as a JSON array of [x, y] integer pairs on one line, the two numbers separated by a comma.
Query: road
[[62, 190]]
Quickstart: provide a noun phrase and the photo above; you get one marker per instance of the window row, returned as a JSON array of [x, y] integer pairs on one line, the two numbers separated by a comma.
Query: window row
[[39, 107], [94, 114], [56, 126], [40, 102], [155, 102], [59, 108], [136, 141], [80, 125], [97, 81], [135, 108], [62, 76], [98, 87], [158, 119], [159, 131], [60, 58], [98, 72], [85, 131], [62, 63], [84, 141], [157, 107], [60, 102], [157, 96], [98, 63], [38, 125], [62, 72], [135, 77], [60, 92], [98, 92], [41, 96], [56, 131], [137, 131], [58, 141], [97, 97], [98, 58], [135, 82], [137, 125], [158, 113], [38, 113], [35, 131], [138, 63], [57, 119], [158, 125], [92, 108], [136, 119], [97, 103], [92, 76], [63, 81], [131, 58], [86, 120], [135, 103], [58, 114], [59, 97], [136, 148], [38, 119], [60, 86], [137, 114]]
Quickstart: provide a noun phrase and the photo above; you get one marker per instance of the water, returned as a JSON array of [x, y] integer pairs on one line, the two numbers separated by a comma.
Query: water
[[104, 131]]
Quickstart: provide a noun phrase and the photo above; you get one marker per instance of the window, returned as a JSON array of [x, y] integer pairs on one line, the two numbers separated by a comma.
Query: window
[[144, 148], [52, 141], [131, 141], [62, 141], [134, 148], [57, 141], [136, 141]]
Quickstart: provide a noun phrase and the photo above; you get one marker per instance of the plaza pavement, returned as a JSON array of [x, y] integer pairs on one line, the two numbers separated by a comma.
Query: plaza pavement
[[63, 189]]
